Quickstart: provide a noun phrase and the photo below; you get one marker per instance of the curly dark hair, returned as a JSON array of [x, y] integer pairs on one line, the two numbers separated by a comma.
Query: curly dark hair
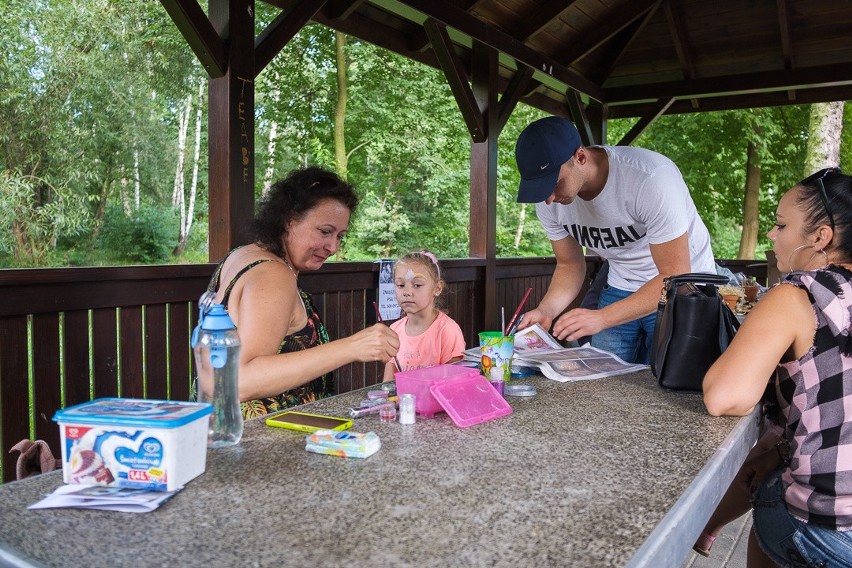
[[290, 198], [827, 199]]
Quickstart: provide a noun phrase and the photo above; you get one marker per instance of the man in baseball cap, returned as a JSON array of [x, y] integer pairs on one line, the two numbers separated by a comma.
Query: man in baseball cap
[[541, 150], [628, 205]]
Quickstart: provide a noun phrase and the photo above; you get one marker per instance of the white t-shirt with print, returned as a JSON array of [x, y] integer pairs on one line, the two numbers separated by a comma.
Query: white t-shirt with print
[[644, 201]]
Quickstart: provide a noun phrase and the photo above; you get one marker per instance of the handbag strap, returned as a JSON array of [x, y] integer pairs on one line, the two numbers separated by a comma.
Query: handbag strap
[[698, 277]]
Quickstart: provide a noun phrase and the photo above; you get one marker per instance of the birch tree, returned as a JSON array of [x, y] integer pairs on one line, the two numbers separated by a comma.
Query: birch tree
[[824, 131]]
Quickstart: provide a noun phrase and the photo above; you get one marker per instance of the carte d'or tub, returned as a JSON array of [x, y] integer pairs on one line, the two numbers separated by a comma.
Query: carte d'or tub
[[123, 442]]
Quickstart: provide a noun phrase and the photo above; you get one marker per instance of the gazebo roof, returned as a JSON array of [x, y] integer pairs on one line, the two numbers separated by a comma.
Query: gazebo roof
[[635, 57]]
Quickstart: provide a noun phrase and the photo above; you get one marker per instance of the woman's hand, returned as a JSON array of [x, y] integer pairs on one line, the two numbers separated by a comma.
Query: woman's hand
[[375, 343]]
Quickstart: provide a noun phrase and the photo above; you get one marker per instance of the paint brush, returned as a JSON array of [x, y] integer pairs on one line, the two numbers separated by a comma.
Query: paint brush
[[517, 312], [379, 317]]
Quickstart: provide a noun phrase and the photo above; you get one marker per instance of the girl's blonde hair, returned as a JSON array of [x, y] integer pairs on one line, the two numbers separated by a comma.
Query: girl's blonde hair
[[430, 262]]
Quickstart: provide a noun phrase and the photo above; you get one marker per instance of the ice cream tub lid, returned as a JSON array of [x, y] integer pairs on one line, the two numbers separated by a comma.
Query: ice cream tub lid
[[134, 412]]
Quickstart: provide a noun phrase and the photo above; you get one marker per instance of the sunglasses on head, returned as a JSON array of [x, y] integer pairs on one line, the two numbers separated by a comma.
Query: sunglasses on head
[[823, 196]]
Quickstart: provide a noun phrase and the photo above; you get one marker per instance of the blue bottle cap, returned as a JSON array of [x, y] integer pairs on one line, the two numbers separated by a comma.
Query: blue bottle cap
[[217, 319]]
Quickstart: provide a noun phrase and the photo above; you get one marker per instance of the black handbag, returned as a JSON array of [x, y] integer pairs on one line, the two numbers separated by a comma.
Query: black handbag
[[694, 326]]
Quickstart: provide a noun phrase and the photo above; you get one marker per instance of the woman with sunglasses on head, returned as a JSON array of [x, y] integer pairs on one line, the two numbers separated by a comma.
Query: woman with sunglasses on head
[[798, 335]]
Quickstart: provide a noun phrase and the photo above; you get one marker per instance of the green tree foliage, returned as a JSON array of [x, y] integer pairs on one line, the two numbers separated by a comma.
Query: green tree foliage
[[711, 150], [90, 93]]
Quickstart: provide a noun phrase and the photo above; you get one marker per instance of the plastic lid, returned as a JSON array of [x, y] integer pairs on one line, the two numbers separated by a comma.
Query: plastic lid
[[470, 400], [217, 319], [134, 412]]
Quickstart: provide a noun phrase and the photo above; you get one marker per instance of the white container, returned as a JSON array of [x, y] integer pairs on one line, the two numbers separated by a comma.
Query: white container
[[122, 442]]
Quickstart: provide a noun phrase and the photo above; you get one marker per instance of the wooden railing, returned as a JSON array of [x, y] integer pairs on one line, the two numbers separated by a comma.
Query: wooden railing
[[71, 335]]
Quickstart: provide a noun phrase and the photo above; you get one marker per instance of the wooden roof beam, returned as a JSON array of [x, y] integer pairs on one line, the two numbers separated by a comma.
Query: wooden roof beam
[[786, 40], [657, 111], [452, 17], [759, 82], [517, 87], [622, 42], [281, 30], [199, 33], [578, 116], [457, 79], [599, 35], [681, 44], [541, 18]]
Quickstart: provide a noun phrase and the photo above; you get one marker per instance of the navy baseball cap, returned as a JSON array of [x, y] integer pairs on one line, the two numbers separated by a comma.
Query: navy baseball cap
[[541, 150]]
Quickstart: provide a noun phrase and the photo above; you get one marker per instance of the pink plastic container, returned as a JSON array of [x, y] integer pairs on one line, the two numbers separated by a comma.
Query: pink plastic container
[[470, 400], [419, 381]]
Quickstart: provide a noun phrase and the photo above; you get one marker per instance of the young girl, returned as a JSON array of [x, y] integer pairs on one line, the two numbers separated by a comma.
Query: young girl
[[427, 336]]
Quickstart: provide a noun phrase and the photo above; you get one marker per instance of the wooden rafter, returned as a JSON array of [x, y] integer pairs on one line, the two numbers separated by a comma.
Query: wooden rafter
[[598, 35], [786, 41], [341, 9], [758, 82], [457, 79], [678, 31], [541, 17], [657, 111], [199, 34], [622, 42], [578, 115], [446, 13], [281, 30], [516, 88]]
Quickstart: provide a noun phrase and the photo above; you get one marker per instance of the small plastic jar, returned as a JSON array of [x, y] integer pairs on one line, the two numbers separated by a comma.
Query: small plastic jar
[[406, 409], [387, 413]]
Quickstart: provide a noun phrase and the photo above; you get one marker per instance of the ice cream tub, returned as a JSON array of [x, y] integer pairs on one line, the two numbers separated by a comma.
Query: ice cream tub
[[147, 444]]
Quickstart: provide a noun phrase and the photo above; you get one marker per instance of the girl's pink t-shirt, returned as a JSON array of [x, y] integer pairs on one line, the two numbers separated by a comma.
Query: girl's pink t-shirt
[[439, 344]]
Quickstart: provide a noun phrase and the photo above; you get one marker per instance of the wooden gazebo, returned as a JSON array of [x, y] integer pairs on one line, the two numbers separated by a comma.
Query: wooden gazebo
[[67, 335]]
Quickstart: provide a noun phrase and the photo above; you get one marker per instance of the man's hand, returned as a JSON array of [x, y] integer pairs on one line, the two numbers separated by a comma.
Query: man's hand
[[578, 323], [536, 316]]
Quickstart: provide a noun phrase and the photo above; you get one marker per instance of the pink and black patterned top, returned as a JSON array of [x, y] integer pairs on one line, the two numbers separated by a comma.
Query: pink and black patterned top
[[815, 396]]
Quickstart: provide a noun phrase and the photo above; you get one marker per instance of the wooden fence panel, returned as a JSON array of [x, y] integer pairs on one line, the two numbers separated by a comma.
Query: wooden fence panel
[[14, 391], [131, 371], [182, 318], [76, 357], [156, 352], [105, 349], [47, 396]]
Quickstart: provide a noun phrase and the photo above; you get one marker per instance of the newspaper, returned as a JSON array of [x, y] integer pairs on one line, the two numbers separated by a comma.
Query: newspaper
[[123, 499], [535, 347]]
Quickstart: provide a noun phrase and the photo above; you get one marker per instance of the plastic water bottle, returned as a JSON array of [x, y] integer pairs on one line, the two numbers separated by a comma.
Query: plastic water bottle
[[216, 346]]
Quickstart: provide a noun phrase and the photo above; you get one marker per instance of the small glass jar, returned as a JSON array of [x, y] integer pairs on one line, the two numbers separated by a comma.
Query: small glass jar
[[406, 409], [387, 413]]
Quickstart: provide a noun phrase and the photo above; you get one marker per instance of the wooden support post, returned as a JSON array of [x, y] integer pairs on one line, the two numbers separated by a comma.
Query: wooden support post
[[231, 129], [483, 179]]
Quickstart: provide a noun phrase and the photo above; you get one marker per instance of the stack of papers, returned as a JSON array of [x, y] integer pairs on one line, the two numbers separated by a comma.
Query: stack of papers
[[122, 499], [535, 347]]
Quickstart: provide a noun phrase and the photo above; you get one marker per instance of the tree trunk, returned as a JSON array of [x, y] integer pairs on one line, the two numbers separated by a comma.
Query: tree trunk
[[273, 142], [751, 225], [340, 158], [826, 125], [183, 124], [137, 183], [193, 187], [521, 222]]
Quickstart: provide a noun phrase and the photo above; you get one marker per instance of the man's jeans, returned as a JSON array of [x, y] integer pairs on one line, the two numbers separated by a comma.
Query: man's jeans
[[630, 341]]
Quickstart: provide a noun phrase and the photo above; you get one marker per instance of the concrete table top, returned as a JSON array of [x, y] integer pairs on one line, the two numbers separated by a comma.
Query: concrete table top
[[610, 472]]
